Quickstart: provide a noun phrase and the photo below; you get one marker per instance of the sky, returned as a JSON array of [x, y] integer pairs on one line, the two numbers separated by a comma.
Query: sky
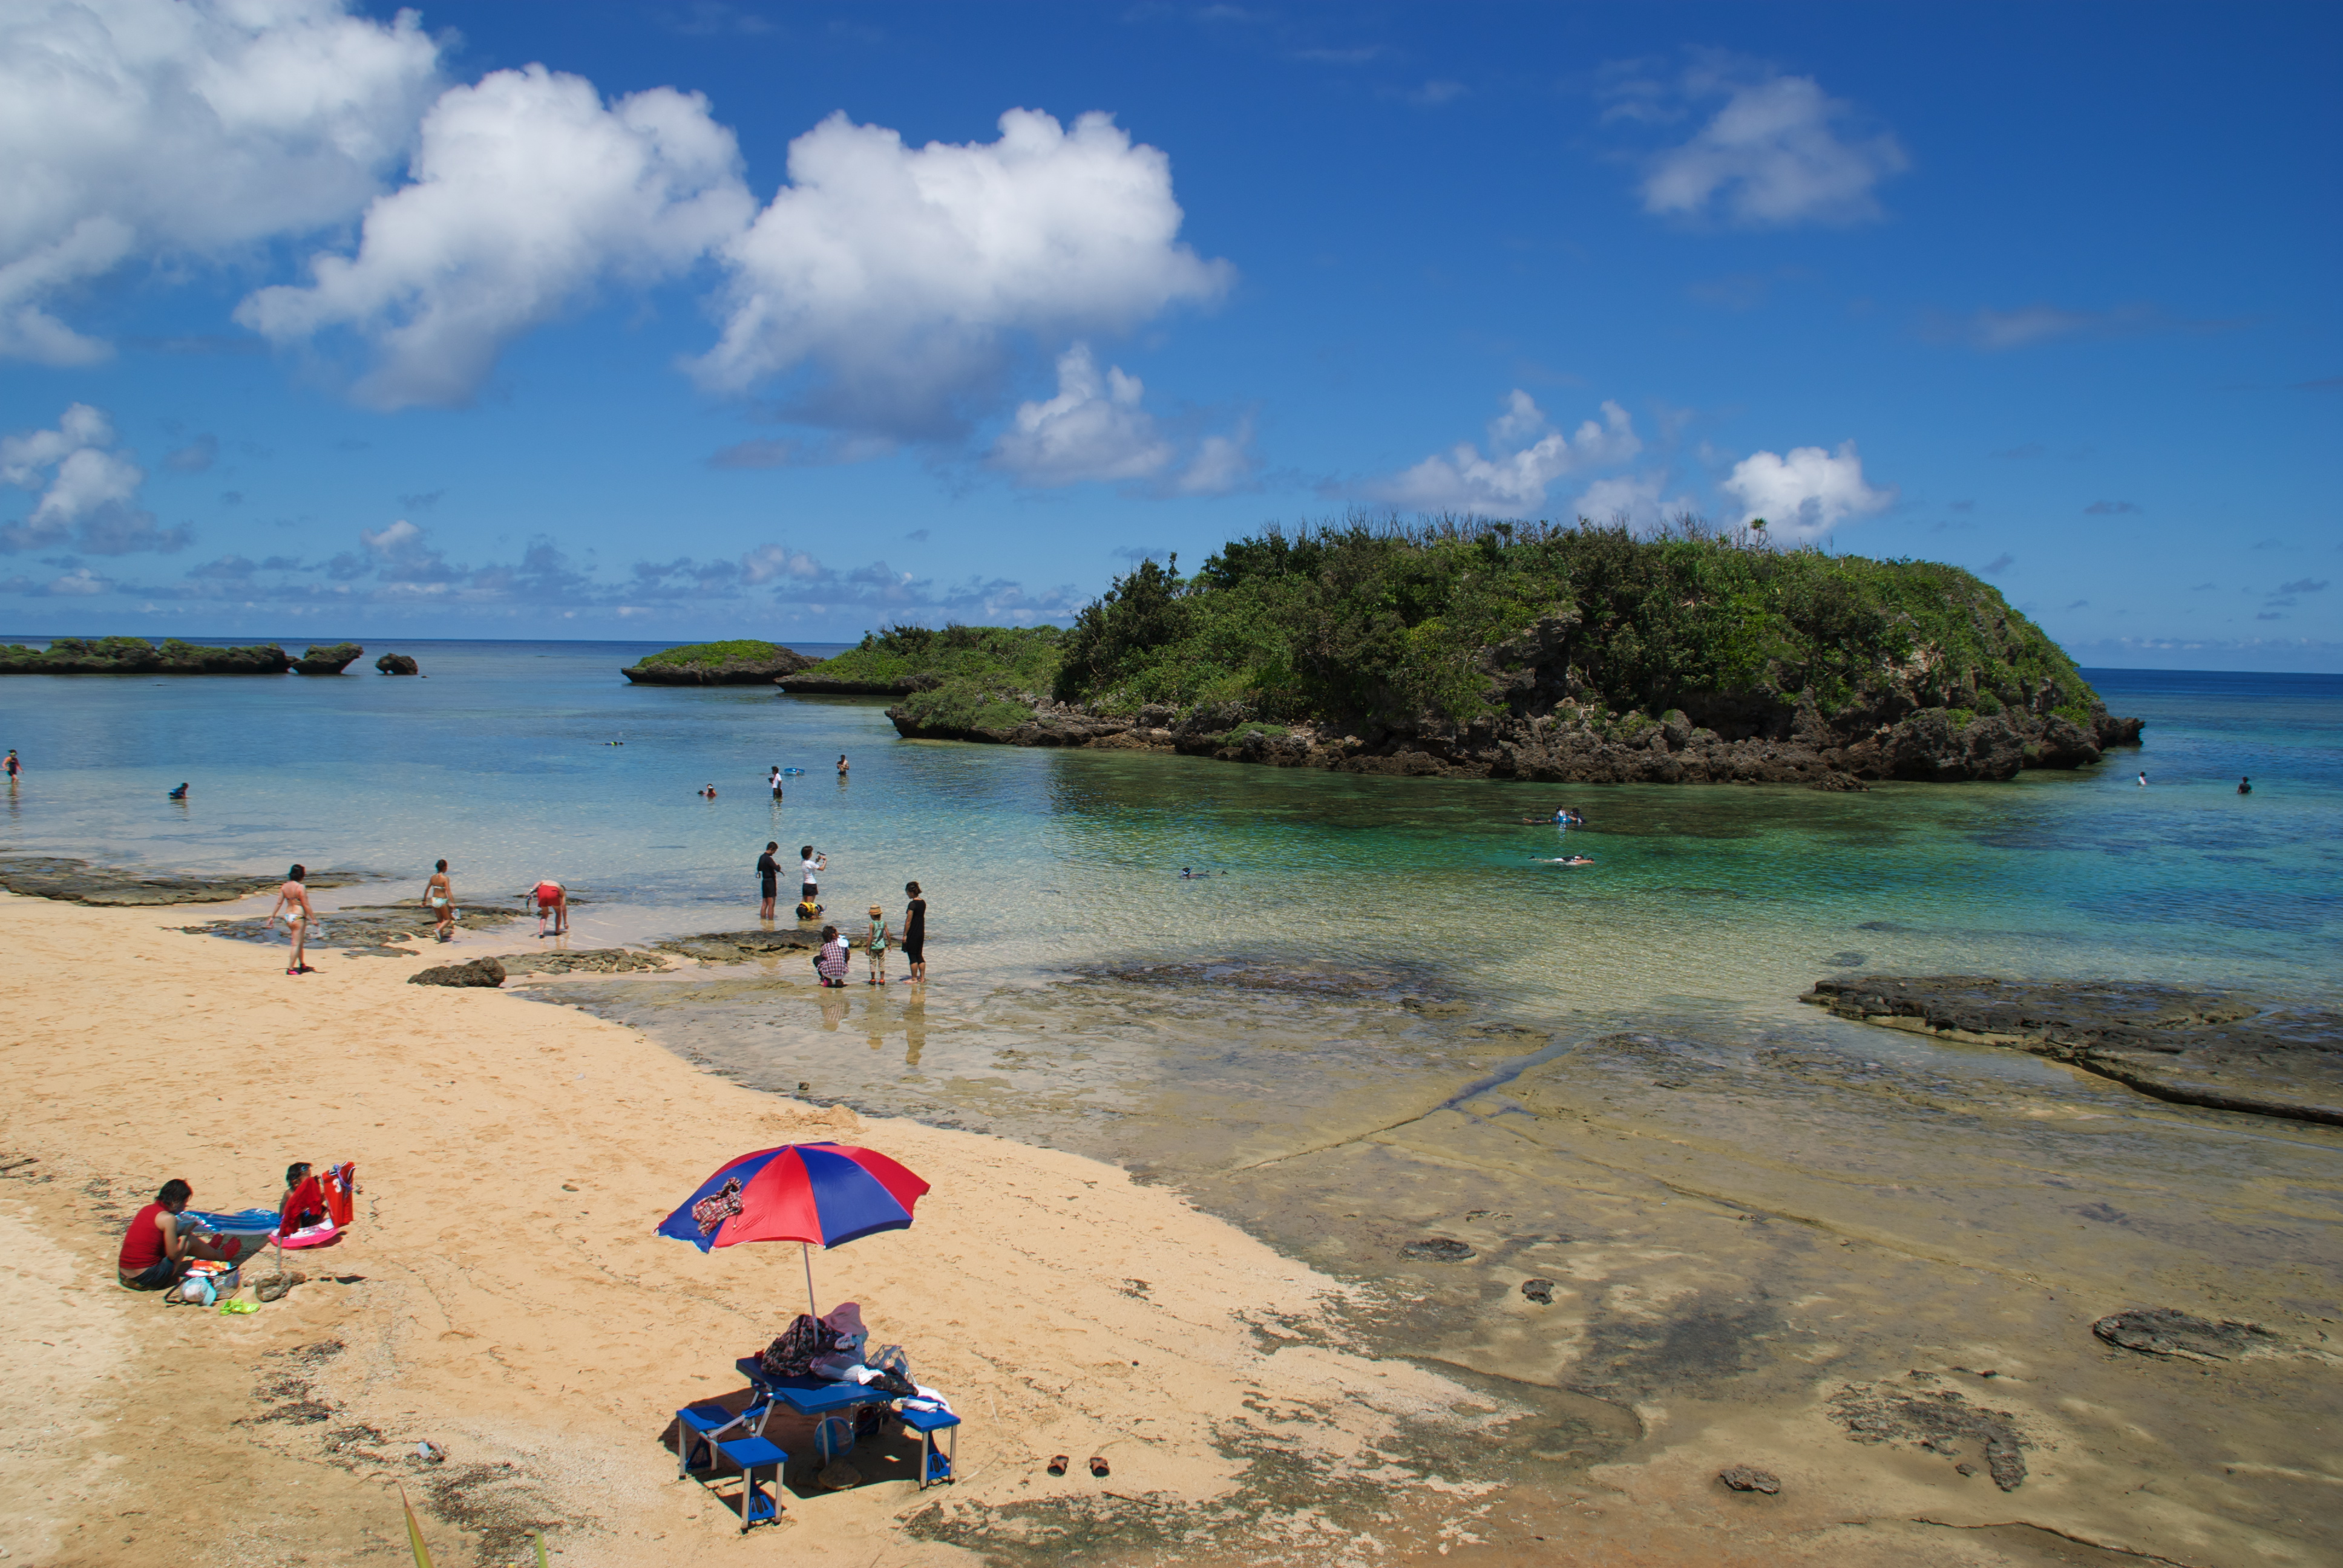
[[573, 318]]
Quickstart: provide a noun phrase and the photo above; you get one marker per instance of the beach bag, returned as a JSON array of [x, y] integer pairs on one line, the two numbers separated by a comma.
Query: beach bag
[[794, 1352]]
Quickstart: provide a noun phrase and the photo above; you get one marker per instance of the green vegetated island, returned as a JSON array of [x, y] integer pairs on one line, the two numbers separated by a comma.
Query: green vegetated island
[[136, 655], [1519, 651], [744, 661]]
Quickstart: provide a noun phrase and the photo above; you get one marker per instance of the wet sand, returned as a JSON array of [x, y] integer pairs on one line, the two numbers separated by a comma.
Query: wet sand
[[1762, 1231], [1854, 1260]]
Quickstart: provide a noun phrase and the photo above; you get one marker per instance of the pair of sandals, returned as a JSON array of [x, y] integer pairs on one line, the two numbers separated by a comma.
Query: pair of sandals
[[1099, 1468]]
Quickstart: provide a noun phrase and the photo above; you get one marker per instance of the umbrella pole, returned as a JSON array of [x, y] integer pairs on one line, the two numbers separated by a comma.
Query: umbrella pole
[[807, 1253]]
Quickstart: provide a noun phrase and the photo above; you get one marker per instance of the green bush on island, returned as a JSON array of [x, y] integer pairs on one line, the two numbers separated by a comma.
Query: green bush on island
[[744, 661], [136, 655], [961, 705], [714, 655], [1363, 618], [922, 659]]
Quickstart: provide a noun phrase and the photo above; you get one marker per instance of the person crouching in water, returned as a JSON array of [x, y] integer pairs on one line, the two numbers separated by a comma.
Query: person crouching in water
[[876, 945], [830, 962], [552, 900], [154, 1251]]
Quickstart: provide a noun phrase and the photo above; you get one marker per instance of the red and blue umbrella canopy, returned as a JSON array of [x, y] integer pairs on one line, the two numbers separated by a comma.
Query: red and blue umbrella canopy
[[826, 1194]]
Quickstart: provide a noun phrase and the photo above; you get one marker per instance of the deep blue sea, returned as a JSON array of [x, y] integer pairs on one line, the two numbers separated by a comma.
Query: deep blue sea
[[516, 761]]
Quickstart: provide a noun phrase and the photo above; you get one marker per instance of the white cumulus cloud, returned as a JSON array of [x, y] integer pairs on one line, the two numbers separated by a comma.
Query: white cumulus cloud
[[1098, 428], [184, 127], [1633, 500], [1778, 152], [1525, 454], [1221, 463], [88, 490], [1806, 493], [898, 272], [525, 193], [1094, 428]]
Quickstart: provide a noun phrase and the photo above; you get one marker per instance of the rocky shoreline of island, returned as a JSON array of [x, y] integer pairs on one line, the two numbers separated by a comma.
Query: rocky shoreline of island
[[1847, 752]]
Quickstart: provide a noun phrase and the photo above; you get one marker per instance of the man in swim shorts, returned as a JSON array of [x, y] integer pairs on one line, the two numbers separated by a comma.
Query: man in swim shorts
[[552, 899], [769, 878]]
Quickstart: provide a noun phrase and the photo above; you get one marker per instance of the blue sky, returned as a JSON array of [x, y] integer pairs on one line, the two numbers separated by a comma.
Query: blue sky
[[585, 319]]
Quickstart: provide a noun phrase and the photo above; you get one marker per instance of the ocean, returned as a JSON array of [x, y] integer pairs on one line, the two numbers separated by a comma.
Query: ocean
[[502, 760]]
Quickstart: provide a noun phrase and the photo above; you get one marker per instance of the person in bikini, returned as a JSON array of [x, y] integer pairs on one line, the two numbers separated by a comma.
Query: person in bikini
[[552, 899], [293, 903], [439, 898]]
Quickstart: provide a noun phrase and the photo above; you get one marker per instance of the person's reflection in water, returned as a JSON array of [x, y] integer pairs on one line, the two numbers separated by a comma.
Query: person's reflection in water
[[833, 1007], [876, 1019], [915, 1027]]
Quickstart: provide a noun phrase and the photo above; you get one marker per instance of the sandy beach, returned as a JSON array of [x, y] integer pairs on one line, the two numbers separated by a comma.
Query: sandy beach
[[503, 1296]]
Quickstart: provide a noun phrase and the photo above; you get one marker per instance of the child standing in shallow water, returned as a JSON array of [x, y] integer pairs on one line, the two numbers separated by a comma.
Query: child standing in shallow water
[[876, 945]]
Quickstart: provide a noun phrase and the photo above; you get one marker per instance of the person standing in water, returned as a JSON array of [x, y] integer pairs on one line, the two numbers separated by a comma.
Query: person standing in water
[[440, 896], [773, 781], [876, 945], [809, 870], [915, 932], [14, 767], [293, 903], [769, 878], [841, 765], [2143, 780], [2246, 786]]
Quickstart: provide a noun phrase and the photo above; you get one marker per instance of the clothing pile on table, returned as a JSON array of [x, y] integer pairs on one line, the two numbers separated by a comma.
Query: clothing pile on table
[[836, 1346]]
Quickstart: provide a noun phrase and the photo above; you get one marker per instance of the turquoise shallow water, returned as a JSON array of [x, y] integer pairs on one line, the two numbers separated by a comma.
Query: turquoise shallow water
[[1698, 898]]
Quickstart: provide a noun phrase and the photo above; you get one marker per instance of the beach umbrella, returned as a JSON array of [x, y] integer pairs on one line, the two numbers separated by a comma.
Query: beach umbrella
[[824, 1194]]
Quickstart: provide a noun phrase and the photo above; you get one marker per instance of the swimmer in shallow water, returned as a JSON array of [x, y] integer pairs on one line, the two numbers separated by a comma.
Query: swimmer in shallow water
[[1568, 861]]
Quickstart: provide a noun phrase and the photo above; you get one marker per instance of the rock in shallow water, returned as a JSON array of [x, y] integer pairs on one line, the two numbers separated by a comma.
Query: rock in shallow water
[[1438, 1250], [2164, 1331], [80, 882], [2192, 1046], [1539, 1290], [1742, 1478], [474, 972]]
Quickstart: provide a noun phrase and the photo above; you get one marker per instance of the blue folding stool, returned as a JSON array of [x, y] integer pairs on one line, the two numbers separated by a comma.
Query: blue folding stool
[[696, 1426], [758, 1506], [934, 1468]]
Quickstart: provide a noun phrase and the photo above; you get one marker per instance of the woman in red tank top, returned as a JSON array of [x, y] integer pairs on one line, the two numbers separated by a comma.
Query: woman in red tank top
[[153, 1251]]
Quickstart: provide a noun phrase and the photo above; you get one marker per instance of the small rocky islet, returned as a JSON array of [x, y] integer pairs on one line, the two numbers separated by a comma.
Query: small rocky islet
[[744, 661], [136, 655], [1525, 651]]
